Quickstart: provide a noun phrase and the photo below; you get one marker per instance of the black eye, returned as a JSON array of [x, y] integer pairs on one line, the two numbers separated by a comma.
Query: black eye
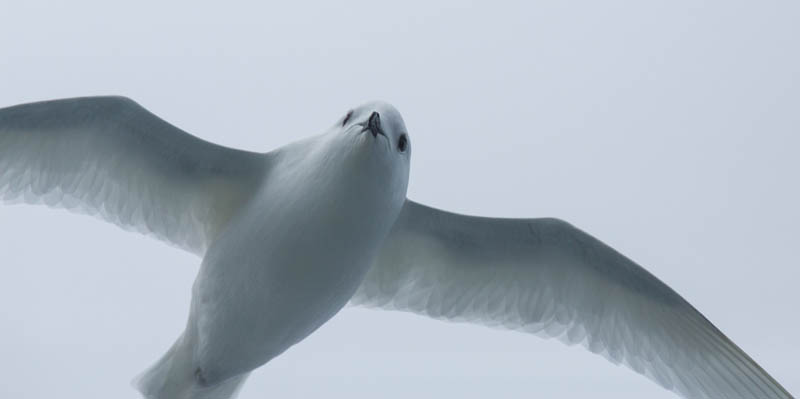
[[347, 118], [402, 143]]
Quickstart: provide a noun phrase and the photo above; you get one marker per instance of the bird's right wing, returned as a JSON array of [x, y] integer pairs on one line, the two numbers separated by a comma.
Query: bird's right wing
[[109, 157], [546, 277]]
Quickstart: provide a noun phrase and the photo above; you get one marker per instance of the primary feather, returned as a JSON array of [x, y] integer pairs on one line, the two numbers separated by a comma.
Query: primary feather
[[109, 157], [546, 277]]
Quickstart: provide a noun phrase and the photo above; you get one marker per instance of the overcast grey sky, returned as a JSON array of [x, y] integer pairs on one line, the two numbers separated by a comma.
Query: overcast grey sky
[[667, 129]]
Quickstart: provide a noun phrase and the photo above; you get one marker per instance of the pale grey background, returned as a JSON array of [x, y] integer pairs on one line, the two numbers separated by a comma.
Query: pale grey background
[[667, 129]]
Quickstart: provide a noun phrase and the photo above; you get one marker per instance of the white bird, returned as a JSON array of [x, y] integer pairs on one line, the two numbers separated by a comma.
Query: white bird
[[289, 237]]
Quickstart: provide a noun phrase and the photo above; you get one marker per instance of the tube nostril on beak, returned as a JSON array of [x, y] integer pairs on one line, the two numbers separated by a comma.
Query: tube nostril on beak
[[374, 124]]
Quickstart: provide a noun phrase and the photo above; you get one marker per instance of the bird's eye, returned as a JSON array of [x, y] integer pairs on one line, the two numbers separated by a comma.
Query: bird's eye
[[347, 118], [402, 143]]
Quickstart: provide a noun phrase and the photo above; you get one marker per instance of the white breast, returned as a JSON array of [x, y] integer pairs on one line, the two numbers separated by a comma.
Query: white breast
[[290, 260]]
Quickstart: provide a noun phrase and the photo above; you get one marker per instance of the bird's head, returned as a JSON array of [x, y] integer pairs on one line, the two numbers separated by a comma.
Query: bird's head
[[376, 145]]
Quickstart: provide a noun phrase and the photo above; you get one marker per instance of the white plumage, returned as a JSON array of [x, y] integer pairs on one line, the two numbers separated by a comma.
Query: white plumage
[[112, 158], [290, 236]]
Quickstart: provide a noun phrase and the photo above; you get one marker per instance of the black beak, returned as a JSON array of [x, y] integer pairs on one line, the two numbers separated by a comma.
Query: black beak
[[374, 125]]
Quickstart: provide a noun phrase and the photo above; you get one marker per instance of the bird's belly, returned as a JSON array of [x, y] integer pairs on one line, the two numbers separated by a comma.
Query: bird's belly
[[258, 295]]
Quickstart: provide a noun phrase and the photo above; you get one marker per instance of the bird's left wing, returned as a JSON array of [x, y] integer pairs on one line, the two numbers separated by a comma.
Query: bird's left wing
[[109, 157], [546, 277]]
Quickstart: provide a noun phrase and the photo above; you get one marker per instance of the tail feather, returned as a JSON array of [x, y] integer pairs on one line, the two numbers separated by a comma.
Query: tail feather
[[173, 377]]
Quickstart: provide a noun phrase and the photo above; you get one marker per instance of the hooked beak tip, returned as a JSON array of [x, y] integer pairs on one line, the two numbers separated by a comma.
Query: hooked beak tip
[[374, 124]]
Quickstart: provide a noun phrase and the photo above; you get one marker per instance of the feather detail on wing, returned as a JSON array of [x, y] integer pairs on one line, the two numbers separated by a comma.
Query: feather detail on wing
[[546, 277], [109, 157]]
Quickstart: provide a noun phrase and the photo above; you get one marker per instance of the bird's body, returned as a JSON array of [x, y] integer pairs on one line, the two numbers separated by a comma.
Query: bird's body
[[288, 261], [290, 236]]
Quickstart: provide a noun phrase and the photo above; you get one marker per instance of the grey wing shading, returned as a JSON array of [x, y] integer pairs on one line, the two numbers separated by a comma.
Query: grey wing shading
[[109, 157], [546, 277]]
